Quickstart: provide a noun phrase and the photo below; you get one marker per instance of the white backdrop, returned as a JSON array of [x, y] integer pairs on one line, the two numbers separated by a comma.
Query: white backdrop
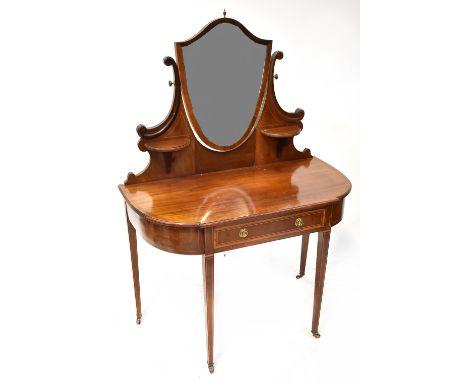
[[76, 79]]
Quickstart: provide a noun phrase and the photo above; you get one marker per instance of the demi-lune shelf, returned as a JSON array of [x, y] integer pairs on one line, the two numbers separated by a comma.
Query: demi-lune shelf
[[168, 145], [283, 131]]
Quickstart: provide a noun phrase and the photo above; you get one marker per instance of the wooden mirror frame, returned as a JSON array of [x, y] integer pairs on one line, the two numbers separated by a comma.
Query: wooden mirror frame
[[173, 145], [271, 189], [184, 87]]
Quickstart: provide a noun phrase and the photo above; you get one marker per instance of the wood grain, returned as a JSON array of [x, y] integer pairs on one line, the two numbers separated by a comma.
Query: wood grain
[[191, 199], [320, 268], [201, 156], [285, 131], [207, 199], [304, 250], [186, 94], [208, 286], [155, 131], [272, 227], [134, 257], [167, 145]]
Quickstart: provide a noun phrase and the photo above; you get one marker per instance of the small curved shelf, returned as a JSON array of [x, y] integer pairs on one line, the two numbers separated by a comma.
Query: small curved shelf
[[283, 131], [168, 145]]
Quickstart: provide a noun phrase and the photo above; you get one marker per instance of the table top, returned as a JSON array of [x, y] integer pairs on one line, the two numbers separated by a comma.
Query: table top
[[215, 197]]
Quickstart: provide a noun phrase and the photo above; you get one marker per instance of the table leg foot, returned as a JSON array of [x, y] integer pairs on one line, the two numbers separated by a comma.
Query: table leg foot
[[211, 367], [138, 320], [316, 335], [299, 276]]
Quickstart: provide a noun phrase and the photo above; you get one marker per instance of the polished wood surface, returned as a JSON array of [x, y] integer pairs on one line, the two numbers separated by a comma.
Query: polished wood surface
[[253, 149], [208, 287], [136, 273], [186, 96], [248, 233], [320, 268], [168, 144], [155, 131], [197, 199], [186, 240], [304, 249], [244, 192], [286, 131]]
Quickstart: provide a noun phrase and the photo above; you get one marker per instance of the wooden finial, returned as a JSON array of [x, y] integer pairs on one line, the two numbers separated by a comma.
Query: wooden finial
[[224, 12]]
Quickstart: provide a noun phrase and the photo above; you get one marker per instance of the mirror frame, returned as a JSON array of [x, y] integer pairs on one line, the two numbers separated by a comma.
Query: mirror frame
[[185, 94]]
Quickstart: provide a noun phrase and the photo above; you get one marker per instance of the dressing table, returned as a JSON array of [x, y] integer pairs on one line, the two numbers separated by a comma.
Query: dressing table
[[223, 172]]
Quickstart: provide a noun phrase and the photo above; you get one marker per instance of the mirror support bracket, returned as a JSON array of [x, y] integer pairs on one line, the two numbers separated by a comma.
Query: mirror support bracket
[[155, 131], [269, 139]]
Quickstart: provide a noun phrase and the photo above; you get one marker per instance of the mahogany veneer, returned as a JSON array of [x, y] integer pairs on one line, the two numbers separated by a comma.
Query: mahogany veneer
[[168, 145], [218, 197], [287, 131], [197, 198]]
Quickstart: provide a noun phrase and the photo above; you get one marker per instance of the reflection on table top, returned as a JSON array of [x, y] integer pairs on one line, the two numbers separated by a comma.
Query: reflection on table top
[[226, 195]]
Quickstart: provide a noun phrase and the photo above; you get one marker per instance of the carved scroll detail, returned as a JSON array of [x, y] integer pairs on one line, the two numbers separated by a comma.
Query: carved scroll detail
[[289, 117], [155, 131]]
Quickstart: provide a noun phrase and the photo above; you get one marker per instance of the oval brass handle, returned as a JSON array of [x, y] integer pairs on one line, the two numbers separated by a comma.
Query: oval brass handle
[[299, 222], [243, 233]]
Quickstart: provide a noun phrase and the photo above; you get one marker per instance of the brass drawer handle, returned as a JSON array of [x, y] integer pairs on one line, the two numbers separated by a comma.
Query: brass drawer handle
[[299, 222], [243, 232]]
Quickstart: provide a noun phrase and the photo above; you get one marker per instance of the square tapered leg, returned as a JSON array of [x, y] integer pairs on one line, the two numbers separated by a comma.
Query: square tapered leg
[[136, 274], [208, 286], [321, 266], [304, 249]]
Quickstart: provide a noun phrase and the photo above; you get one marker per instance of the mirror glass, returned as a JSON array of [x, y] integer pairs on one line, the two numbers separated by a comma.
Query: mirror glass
[[223, 71]]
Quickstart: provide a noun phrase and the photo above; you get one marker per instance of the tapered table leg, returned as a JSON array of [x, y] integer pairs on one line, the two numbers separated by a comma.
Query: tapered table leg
[[134, 256], [321, 266], [208, 286], [305, 247]]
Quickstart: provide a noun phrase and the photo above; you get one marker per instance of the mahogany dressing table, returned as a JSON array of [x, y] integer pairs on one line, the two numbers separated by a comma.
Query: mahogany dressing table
[[223, 170]]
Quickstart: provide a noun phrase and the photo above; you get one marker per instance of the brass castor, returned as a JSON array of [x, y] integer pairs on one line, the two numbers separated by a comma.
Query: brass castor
[[138, 321], [299, 276], [211, 367], [316, 335]]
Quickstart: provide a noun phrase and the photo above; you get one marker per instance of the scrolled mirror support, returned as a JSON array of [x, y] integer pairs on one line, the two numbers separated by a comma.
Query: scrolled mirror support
[[155, 131], [298, 113]]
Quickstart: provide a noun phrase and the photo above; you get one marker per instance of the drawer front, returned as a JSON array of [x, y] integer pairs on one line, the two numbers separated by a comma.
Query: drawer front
[[268, 229]]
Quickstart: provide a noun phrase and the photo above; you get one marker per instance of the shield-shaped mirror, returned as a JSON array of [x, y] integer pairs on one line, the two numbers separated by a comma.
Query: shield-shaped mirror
[[223, 72]]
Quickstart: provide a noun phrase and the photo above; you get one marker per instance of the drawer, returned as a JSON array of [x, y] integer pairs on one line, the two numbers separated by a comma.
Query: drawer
[[268, 229]]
